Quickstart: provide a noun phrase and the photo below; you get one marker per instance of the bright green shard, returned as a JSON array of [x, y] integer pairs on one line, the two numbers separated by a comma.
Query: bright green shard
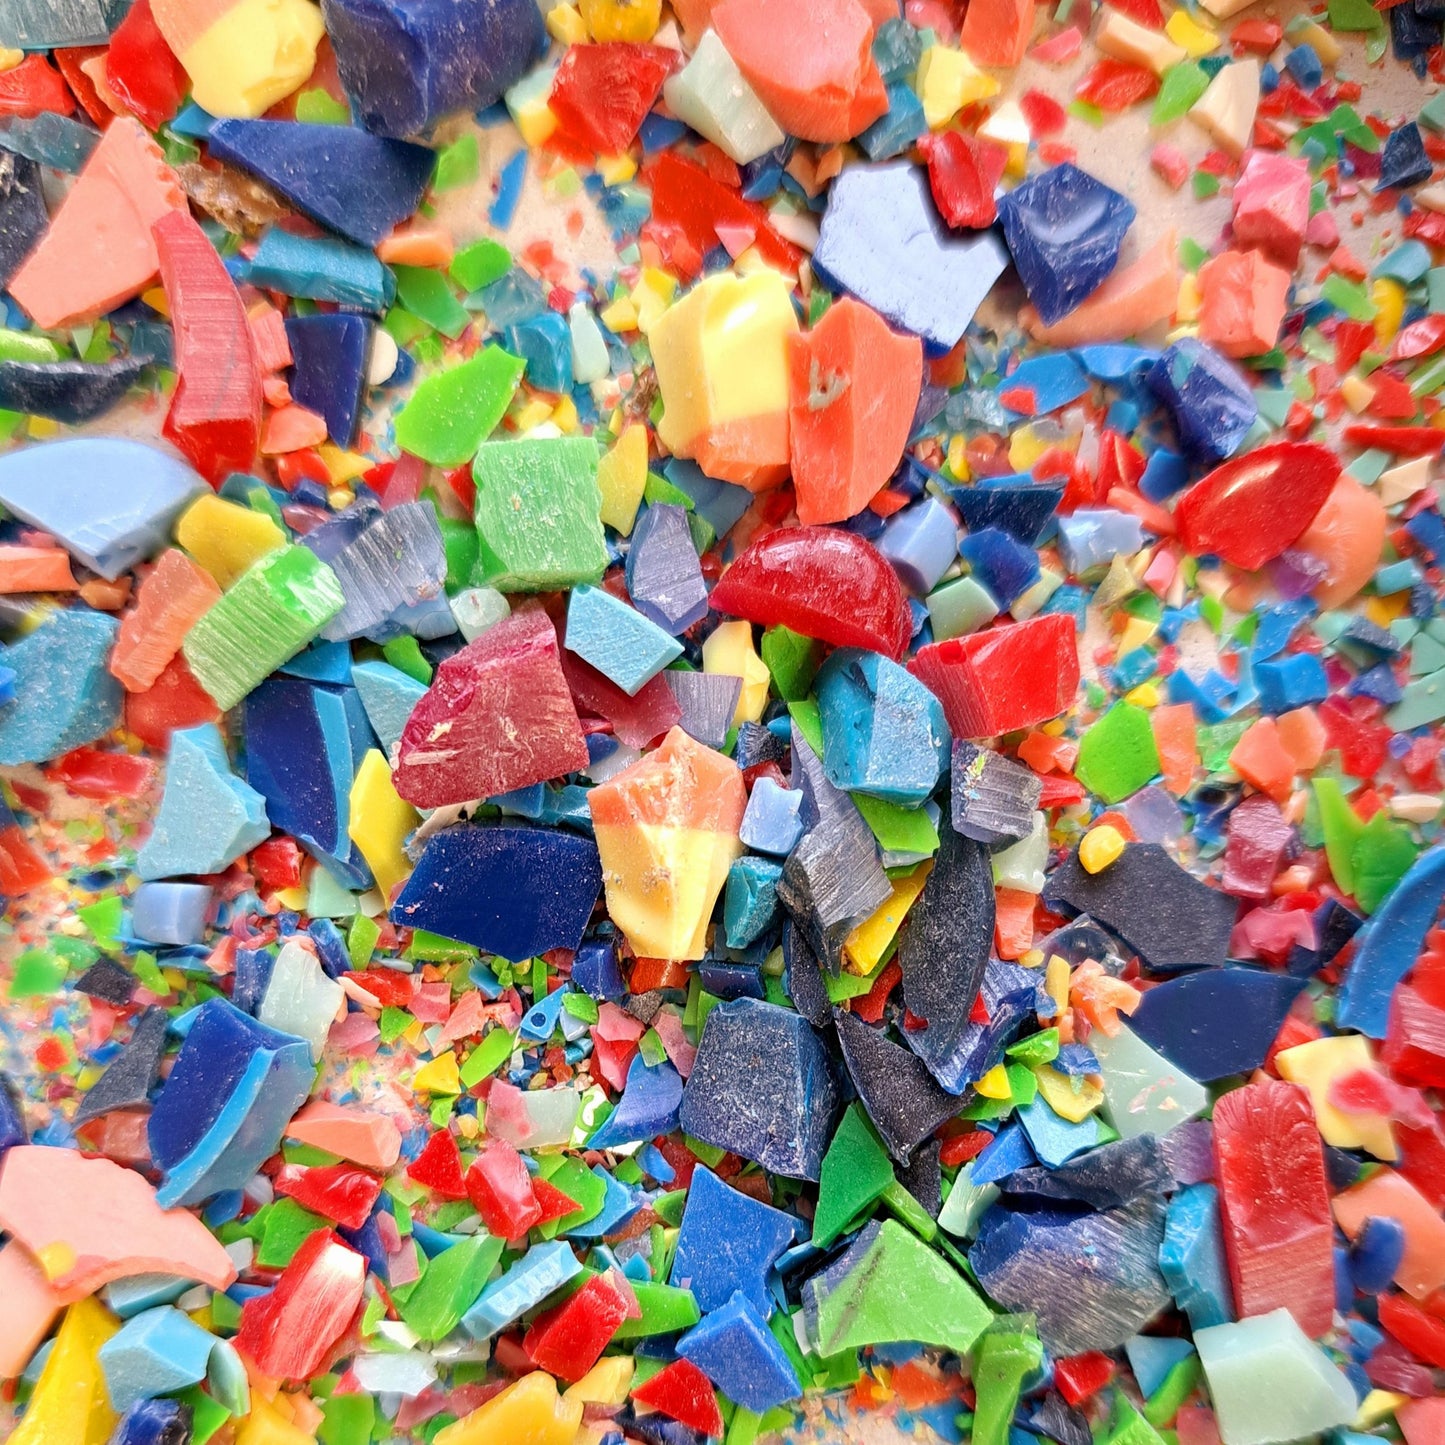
[[666, 1309], [425, 293], [1354, 15], [907, 1210], [271, 612], [487, 1057], [36, 974], [1342, 829], [1118, 755], [897, 1290], [288, 1226], [538, 515], [453, 412], [856, 1174], [1182, 85], [793, 661], [1382, 856], [449, 1288], [898, 830], [348, 1420], [480, 264], [1178, 1385], [1127, 1426], [1007, 1354]]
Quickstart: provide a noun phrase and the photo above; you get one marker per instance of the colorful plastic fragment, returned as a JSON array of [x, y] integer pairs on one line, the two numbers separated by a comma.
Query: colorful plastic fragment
[[65, 697]]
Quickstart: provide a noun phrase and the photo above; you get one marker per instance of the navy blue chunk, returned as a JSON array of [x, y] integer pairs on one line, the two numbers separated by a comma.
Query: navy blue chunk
[[329, 357]]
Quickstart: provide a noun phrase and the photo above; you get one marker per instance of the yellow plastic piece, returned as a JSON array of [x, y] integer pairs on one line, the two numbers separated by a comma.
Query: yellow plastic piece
[[721, 356], [380, 821], [225, 538], [71, 1405], [1071, 1097], [1145, 695], [440, 1076], [532, 414], [865, 946], [729, 652], [995, 1084], [1056, 982], [564, 416], [1100, 847], [1187, 307], [527, 102], [43, 428], [1193, 38], [1137, 44], [343, 467], [565, 23], [654, 292], [9, 59], [622, 19], [531, 1412], [293, 898], [1027, 445], [1357, 393], [622, 477], [947, 81], [1008, 126], [1137, 631], [257, 53], [266, 1425], [1377, 1407], [1315, 1066], [1320, 40], [619, 315], [616, 170], [1389, 298], [606, 1383]]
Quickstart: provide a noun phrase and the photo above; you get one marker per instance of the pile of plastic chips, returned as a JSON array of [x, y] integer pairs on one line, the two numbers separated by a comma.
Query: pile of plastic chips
[[845, 800]]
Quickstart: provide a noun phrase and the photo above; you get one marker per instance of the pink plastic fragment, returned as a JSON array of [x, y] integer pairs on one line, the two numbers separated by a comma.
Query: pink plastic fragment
[[1272, 204], [30, 1308], [369, 1139]]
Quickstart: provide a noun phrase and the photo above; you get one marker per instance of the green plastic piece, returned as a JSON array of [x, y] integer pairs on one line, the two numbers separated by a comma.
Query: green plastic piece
[[349, 1420], [288, 1226], [657, 490], [1127, 1426], [1143, 1092], [459, 540], [1182, 85], [393, 1023], [1192, 256], [425, 293], [480, 264], [449, 1288], [898, 829], [148, 974], [965, 1204], [27, 346], [1217, 740], [809, 719], [225, 1314], [103, 917], [846, 984], [1178, 1385], [405, 654], [857, 1172], [665, 1308], [1422, 701], [36, 973], [1039, 1048], [1204, 184], [1117, 755], [900, 1290], [1009, 1351], [458, 164], [272, 611], [451, 413], [1342, 830], [959, 608], [745, 1428], [1383, 855], [905, 1208], [578, 1182], [1354, 15], [792, 659], [361, 940], [207, 1414], [1348, 296], [538, 515]]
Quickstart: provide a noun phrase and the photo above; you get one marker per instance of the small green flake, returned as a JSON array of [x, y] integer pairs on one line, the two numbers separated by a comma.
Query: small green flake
[[404, 653], [458, 164], [480, 264], [1182, 85], [1117, 756], [856, 1174], [103, 917], [452, 412], [1205, 184], [316, 107], [792, 659], [36, 973], [288, 1226], [453, 1280], [425, 293]]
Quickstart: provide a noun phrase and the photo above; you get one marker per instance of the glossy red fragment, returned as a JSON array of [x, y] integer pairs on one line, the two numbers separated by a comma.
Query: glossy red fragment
[[1274, 1203], [291, 1332], [500, 1189], [174, 700], [1005, 678], [551, 1201], [1420, 338], [568, 1339], [636, 720], [34, 86], [1414, 1050], [1255, 506], [1422, 1333], [1400, 441], [21, 867], [1258, 837], [823, 583], [682, 1392], [1115, 85], [1079, 1377], [141, 69], [341, 1193], [963, 173], [90, 773], [602, 93], [439, 1167], [215, 415]]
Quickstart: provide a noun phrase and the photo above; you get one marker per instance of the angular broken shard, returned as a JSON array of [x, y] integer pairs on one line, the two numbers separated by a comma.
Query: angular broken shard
[[127, 1080], [993, 797], [664, 574], [1192, 1257], [1105, 1178], [1110, 1260], [1010, 996], [1143, 1092]]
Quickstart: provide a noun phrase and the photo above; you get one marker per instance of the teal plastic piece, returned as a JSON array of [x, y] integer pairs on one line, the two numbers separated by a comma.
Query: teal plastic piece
[[750, 899], [64, 694], [388, 695], [622, 644], [1191, 1258], [154, 1353], [1143, 1092], [321, 269]]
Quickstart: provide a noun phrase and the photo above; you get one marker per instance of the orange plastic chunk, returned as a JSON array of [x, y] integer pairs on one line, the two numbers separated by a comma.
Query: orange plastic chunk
[[170, 601], [1390, 1195], [99, 251], [997, 32], [359, 1135], [1013, 922], [35, 569], [852, 391], [31, 1306], [1346, 535], [1178, 746], [1136, 297], [810, 62], [1242, 301], [1263, 761], [1302, 735]]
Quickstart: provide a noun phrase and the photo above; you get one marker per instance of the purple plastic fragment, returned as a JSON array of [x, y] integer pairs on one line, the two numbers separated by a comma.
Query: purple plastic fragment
[[664, 575], [994, 798], [1012, 996], [707, 700], [921, 542]]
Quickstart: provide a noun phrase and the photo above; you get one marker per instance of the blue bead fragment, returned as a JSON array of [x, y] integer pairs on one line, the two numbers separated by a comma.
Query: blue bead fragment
[[1064, 230], [883, 241], [1165, 473], [329, 358], [253, 974], [1094, 536], [1003, 564], [64, 693], [544, 342], [1216, 1022], [388, 696], [647, 1108], [720, 504], [109, 502], [1151, 1357], [407, 63], [664, 574], [750, 900], [510, 181], [540, 1272], [1291, 682], [897, 128], [1303, 62], [771, 823], [623, 645], [920, 543], [127, 1080], [1053, 1139], [595, 971], [357, 184], [1022, 508], [331, 949], [727, 1244], [1009, 1151], [155, 1422], [1114, 361], [515, 892], [1191, 1257], [735, 1349], [1115, 1174], [12, 1117], [762, 1087], [137, 1292], [1055, 380], [69, 391], [1376, 1254], [320, 269], [1210, 695], [1403, 161], [1212, 407], [620, 1202], [170, 913], [154, 1353]]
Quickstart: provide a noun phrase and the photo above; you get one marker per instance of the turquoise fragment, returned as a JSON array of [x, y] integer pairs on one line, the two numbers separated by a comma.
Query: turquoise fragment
[[321, 269], [622, 644], [388, 695], [154, 1353], [1191, 1258], [64, 696]]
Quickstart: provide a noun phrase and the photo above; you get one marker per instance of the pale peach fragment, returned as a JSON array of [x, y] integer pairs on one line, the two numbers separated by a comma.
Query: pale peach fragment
[[359, 1135], [174, 596], [1136, 297]]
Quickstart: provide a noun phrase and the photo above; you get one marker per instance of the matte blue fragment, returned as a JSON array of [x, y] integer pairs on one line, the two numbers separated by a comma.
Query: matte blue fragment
[[68, 391], [962, 1057], [1376, 1254], [1303, 62], [897, 128], [510, 181], [193, 122], [331, 949], [1388, 946], [720, 504], [1064, 230], [321, 662], [154, 1353], [154, 1422], [1114, 361], [1151, 1357], [170, 913], [1021, 508], [897, 49], [648, 1106], [1053, 1139], [762, 1086], [1291, 682], [1403, 161], [595, 971], [707, 701], [134, 1293], [626, 647], [750, 900], [541, 1272], [1009, 1151], [1191, 1257], [619, 1203], [109, 502], [544, 342], [513, 891], [330, 353], [883, 241], [1000, 562], [64, 694], [1055, 380], [407, 63], [51, 140], [1210, 695], [207, 817], [357, 184], [1274, 628], [771, 822], [883, 732], [1093, 536], [735, 1349], [253, 974], [1212, 407], [920, 543], [727, 1244], [1165, 473], [389, 697], [128, 1078], [320, 269], [664, 574], [1409, 262]]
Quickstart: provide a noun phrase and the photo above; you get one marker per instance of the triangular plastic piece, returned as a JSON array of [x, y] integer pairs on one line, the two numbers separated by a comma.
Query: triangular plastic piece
[[856, 1171]]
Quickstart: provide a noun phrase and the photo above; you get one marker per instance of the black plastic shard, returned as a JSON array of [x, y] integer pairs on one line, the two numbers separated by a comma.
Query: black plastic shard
[[23, 217], [1057, 1420], [902, 1098], [1105, 1178], [1216, 1022], [804, 977], [68, 391], [922, 1177], [832, 880], [1109, 1260], [106, 980], [993, 797], [1167, 916], [126, 1083]]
